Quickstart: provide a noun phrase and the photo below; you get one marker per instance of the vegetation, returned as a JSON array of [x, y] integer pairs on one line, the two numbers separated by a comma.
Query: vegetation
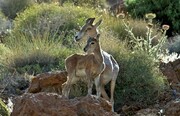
[[3, 109], [11, 7], [12, 84], [90, 3], [42, 37], [34, 56], [139, 82], [138, 27], [146, 44], [167, 11], [46, 1], [50, 18]]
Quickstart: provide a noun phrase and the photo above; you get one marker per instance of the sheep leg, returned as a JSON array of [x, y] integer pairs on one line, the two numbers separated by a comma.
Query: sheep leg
[[98, 86], [104, 94], [90, 86], [113, 82]]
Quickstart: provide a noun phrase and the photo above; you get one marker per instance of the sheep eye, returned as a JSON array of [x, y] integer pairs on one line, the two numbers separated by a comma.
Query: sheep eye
[[88, 28], [92, 43]]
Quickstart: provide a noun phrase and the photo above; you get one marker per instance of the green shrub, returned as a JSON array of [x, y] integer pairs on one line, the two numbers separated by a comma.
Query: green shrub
[[139, 82], [36, 56], [57, 21], [167, 11], [138, 27], [11, 7], [146, 44], [3, 109], [45, 1], [50, 17], [59, 2], [3, 52], [90, 3]]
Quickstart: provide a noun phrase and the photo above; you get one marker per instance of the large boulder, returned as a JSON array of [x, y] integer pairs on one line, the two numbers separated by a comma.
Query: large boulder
[[52, 104], [51, 82], [48, 82]]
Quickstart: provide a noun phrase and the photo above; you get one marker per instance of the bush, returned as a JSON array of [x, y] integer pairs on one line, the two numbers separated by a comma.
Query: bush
[[54, 19], [57, 21], [46, 1], [167, 11], [139, 82], [145, 45], [138, 27], [11, 7], [60, 2], [3, 109], [35, 56], [89, 3], [3, 52]]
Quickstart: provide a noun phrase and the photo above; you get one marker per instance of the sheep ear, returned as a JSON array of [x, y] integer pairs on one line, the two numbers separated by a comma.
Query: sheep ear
[[98, 23], [90, 20]]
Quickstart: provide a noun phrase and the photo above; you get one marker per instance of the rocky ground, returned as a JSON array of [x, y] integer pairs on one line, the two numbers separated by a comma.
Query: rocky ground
[[52, 104]]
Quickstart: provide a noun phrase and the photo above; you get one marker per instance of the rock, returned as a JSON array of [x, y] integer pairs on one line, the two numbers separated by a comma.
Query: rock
[[172, 108], [172, 71], [168, 70], [48, 82], [52, 82], [131, 109], [147, 112], [52, 104]]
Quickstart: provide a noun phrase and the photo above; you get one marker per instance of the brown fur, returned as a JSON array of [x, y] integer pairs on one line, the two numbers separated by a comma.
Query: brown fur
[[111, 66], [86, 67]]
